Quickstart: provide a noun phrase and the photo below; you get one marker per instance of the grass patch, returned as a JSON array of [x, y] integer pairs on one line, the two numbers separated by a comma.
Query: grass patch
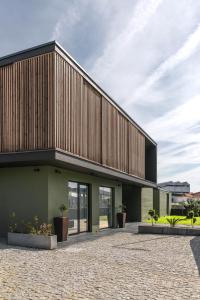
[[183, 220]]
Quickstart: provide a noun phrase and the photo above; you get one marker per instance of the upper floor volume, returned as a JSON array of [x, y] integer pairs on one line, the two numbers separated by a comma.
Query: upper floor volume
[[49, 103]]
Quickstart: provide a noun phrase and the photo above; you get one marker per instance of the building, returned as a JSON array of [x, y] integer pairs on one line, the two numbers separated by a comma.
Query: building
[[180, 190], [64, 140]]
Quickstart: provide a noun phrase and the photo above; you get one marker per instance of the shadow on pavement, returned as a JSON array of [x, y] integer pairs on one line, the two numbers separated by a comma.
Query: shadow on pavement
[[195, 246]]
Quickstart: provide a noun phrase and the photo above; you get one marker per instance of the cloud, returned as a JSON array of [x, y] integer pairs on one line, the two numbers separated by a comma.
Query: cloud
[[178, 136], [144, 53], [190, 45], [141, 15]]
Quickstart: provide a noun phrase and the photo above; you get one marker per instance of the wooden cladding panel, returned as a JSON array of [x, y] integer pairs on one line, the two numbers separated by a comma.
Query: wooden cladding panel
[[46, 103], [114, 137], [26, 104], [89, 126], [136, 152], [78, 113]]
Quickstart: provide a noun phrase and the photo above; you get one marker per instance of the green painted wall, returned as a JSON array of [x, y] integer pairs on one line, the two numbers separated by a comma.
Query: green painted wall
[[146, 202], [25, 192], [162, 202], [29, 193], [58, 192]]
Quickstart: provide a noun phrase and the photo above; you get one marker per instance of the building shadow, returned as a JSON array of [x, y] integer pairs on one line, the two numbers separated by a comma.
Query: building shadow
[[195, 246]]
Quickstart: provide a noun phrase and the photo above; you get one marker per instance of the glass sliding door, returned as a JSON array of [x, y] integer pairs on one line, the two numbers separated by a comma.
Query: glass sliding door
[[83, 200], [105, 207], [73, 207], [77, 207]]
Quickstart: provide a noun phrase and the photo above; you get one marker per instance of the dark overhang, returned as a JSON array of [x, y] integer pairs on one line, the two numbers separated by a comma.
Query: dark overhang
[[55, 46], [62, 159]]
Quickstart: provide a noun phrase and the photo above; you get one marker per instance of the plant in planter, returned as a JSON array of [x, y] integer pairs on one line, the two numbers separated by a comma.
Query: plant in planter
[[61, 224], [33, 235], [13, 224], [121, 216], [153, 216], [192, 217], [173, 221]]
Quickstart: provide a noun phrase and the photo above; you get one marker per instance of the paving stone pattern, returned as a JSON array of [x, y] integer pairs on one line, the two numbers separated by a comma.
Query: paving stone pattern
[[115, 264]]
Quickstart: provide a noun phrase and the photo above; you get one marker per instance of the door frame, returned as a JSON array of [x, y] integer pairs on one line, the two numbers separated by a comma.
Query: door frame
[[112, 206], [78, 206]]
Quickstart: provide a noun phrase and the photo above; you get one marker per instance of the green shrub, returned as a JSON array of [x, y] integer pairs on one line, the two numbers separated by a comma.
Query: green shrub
[[173, 221], [153, 215], [63, 209], [30, 227]]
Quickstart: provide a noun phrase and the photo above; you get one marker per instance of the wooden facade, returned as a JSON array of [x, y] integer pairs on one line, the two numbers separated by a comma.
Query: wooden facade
[[45, 103], [27, 104]]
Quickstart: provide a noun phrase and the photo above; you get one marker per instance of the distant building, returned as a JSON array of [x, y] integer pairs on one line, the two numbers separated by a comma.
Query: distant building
[[180, 190], [196, 195]]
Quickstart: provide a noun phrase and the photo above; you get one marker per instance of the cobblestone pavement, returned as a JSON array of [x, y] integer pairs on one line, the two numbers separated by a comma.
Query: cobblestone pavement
[[115, 264]]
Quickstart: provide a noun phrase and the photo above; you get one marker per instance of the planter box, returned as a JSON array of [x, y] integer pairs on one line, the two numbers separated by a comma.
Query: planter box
[[32, 240], [178, 230], [61, 228]]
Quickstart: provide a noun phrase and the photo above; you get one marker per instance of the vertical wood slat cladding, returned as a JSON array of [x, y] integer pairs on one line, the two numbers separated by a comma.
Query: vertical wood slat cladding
[[89, 126], [46, 103], [114, 137], [136, 152], [78, 113], [26, 104]]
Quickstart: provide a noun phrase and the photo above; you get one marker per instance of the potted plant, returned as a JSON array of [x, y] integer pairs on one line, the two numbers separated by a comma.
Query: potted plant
[[61, 224], [121, 216], [33, 235]]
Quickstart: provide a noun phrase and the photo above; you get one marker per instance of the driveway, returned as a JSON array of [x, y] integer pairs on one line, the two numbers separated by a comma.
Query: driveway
[[114, 264]]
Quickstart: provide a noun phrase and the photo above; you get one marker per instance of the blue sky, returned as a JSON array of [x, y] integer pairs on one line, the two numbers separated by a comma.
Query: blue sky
[[144, 53]]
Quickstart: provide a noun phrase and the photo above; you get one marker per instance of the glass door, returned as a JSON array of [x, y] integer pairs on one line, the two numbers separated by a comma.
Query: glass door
[[83, 201], [77, 207], [73, 207], [105, 207]]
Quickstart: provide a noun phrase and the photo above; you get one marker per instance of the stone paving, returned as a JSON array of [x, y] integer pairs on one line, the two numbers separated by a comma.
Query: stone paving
[[114, 264]]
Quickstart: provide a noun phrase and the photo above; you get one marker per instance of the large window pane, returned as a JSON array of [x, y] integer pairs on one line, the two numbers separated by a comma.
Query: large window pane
[[77, 207], [105, 207], [73, 207], [83, 194]]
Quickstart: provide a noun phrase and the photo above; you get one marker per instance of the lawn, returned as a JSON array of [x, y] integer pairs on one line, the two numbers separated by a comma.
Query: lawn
[[183, 220]]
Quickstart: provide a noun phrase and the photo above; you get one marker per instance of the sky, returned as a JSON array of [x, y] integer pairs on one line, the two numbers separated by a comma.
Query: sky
[[144, 53]]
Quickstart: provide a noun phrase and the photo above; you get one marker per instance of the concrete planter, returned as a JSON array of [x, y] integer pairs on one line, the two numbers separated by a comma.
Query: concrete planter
[[32, 240], [159, 229]]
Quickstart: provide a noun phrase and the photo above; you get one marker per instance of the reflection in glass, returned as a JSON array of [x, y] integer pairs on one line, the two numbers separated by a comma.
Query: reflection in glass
[[105, 207], [73, 207], [77, 207], [83, 196]]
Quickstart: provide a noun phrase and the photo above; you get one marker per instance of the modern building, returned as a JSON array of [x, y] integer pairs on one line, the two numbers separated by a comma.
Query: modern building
[[180, 190], [63, 140]]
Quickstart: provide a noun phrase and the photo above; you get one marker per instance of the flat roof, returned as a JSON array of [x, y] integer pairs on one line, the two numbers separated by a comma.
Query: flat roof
[[55, 46]]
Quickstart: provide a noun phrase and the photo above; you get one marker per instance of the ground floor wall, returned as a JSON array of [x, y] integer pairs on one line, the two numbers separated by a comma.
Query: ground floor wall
[[39, 191], [58, 193], [138, 201], [23, 192], [162, 202]]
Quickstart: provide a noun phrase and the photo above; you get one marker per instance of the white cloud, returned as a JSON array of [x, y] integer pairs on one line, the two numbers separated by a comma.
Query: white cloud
[[116, 48], [146, 55], [190, 45]]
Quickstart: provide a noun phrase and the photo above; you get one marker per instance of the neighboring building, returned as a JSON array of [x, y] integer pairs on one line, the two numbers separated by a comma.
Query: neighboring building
[[180, 190], [64, 140], [196, 195]]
